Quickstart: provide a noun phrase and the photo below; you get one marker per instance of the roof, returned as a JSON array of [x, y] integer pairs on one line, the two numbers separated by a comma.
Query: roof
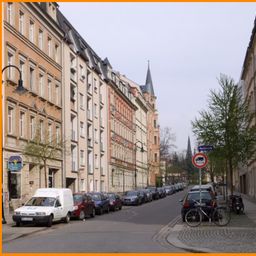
[[148, 87]]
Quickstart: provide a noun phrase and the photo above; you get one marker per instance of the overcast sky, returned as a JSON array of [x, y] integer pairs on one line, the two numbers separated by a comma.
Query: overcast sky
[[188, 45]]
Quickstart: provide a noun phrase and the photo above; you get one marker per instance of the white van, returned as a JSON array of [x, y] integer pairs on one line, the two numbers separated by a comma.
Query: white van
[[46, 206]]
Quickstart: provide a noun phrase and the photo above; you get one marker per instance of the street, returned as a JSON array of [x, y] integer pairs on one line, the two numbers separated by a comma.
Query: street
[[133, 229]]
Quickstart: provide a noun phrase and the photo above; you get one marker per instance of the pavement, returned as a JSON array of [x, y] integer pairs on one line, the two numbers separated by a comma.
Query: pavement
[[238, 236]]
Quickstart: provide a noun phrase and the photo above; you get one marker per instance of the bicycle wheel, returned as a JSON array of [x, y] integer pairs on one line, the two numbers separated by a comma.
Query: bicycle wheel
[[221, 216], [193, 217]]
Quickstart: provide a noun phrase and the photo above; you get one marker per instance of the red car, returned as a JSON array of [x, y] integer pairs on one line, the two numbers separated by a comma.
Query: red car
[[115, 201], [83, 206]]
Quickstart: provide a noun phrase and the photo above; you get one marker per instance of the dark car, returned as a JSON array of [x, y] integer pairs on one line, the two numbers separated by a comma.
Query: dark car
[[101, 202], [148, 195], [115, 202], [132, 198], [83, 206], [161, 192], [207, 199], [154, 191]]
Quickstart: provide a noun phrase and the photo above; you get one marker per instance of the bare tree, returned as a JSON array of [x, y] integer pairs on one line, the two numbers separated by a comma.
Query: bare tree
[[167, 139]]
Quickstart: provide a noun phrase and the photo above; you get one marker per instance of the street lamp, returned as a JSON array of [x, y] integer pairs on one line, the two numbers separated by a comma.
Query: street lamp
[[141, 150], [20, 90]]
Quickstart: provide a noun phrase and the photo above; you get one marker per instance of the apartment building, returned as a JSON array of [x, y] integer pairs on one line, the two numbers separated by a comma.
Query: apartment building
[[153, 140], [84, 113], [32, 41], [247, 174], [141, 149], [121, 133]]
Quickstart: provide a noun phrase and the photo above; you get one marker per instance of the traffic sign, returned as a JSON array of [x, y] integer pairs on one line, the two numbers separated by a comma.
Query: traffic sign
[[15, 163], [200, 160], [205, 148]]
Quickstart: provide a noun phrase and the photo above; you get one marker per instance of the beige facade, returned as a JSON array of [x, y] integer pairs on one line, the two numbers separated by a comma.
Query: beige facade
[[32, 42], [247, 174]]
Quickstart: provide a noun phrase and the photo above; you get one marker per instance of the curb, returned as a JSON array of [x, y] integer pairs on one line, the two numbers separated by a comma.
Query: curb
[[173, 239]]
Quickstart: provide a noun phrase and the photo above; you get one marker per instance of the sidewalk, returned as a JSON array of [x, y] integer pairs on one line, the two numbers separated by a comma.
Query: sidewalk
[[11, 232], [238, 236]]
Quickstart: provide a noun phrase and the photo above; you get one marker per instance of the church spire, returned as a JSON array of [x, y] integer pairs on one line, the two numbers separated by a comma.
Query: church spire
[[149, 84]]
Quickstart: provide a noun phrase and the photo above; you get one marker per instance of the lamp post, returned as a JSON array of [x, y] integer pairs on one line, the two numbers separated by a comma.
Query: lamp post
[[141, 150], [20, 90]]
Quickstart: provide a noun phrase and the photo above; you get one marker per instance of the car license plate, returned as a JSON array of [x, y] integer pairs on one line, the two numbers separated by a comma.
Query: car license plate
[[27, 219], [203, 204]]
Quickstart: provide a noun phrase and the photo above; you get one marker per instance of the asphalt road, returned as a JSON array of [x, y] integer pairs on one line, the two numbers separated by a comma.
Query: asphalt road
[[134, 229]]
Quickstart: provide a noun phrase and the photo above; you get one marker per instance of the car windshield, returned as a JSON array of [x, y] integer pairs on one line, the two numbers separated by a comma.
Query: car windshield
[[78, 198], [131, 193], [112, 196], [195, 196], [96, 197], [41, 201]]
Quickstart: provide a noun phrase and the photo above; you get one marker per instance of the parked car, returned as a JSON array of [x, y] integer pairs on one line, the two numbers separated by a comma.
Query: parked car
[[115, 202], [161, 192], [149, 195], [132, 198], [168, 190], [207, 199], [101, 202], [46, 206], [83, 206], [143, 196], [155, 193], [207, 187]]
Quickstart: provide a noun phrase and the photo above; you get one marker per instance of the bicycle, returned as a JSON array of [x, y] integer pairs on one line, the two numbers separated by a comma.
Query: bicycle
[[220, 215]]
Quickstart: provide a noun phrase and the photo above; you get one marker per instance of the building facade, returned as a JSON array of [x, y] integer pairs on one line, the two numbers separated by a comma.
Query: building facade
[[247, 174], [153, 141], [32, 41]]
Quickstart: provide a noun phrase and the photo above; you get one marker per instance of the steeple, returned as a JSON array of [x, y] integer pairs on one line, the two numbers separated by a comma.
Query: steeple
[[148, 87]]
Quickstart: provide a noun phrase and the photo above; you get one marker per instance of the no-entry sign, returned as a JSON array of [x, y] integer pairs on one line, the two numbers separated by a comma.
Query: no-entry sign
[[200, 160]]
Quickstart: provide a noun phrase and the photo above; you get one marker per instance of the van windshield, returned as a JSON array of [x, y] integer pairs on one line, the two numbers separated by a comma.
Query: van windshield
[[41, 201]]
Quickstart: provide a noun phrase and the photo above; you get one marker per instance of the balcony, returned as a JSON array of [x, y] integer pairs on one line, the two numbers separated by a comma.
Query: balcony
[[102, 171], [89, 114], [90, 169], [102, 147], [73, 166], [101, 122]]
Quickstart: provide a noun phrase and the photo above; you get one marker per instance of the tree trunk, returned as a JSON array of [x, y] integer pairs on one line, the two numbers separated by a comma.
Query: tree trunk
[[230, 175], [45, 174]]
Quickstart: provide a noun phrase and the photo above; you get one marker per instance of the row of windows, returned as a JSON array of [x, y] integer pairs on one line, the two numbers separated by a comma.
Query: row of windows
[[120, 152], [34, 78], [36, 34], [121, 130], [27, 126]]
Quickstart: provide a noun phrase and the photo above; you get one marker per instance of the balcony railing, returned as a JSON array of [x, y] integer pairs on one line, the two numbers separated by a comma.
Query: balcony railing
[[89, 114], [73, 135], [89, 141], [74, 166], [90, 169]]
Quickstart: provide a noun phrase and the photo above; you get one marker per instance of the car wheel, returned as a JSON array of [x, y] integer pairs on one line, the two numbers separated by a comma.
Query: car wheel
[[107, 211], [93, 213], [67, 218], [17, 224], [81, 215], [100, 211], [120, 207], [49, 223]]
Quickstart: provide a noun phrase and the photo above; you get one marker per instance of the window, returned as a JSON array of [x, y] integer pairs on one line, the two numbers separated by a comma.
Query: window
[[21, 22], [41, 130], [57, 94], [95, 86], [82, 130], [96, 161], [49, 45], [31, 31], [10, 13], [49, 86], [82, 73], [49, 132], [41, 85], [10, 57], [22, 69], [155, 157], [51, 181], [56, 53], [96, 136], [32, 127], [22, 124], [10, 119], [57, 134], [82, 157], [155, 140], [15, 185], [81, 101], [40, 39], [31, 78]]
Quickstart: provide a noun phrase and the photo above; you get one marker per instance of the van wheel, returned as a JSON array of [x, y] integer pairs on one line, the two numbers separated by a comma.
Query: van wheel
[[120, 207], [49, 223], [67, 218], [17, 224], [93, 213], [81, 215]]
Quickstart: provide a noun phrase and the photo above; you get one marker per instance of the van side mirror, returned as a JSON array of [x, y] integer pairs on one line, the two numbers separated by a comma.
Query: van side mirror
[[22, 204], [181, 200]]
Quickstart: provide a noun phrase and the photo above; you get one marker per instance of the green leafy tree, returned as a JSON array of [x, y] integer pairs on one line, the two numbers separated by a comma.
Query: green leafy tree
[[227, 126], [43, 148]]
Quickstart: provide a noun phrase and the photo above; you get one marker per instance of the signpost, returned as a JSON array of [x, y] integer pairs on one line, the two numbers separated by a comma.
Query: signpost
[[200, 160], [205, 148]]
